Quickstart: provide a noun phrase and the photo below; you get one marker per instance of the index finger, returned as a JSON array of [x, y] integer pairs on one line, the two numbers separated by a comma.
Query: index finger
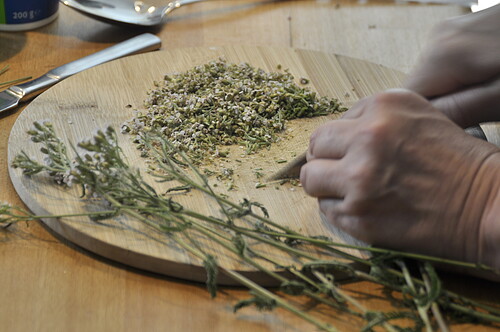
[[331, 140]]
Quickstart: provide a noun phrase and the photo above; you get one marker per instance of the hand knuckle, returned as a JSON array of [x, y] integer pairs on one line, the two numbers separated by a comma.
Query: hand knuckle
[[373, 135]]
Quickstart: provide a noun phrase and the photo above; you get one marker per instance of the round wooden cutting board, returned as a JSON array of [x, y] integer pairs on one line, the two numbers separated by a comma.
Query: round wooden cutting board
[[102, 96]]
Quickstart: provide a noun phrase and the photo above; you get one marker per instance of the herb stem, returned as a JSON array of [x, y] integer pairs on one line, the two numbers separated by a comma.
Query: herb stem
[[422, 310], [4, 69], [350, 299], [435, 306], [15, 81], [383, 251], [282, 303]]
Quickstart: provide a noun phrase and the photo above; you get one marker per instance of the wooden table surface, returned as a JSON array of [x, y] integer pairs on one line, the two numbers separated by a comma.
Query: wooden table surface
[[47, 284]]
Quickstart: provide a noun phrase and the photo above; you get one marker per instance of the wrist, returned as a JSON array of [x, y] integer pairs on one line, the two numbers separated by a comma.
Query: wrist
[[489, 236]]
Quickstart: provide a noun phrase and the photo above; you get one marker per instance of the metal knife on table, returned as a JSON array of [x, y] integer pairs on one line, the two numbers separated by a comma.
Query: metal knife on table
[[11, 97]]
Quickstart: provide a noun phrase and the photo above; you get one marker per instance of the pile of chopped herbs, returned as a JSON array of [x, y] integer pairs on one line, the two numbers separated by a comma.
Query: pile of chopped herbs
[[219, 104]]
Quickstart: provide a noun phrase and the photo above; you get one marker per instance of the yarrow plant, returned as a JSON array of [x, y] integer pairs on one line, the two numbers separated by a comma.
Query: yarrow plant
[[102, 171]]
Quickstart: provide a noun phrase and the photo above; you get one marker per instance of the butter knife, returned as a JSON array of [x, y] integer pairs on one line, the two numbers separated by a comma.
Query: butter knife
[[11, 97]]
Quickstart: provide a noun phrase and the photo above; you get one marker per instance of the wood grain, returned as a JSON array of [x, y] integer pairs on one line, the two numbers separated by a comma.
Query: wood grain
[[49, 284], [80, 105]]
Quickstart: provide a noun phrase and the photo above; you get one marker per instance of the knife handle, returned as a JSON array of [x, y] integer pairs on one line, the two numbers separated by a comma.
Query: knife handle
[[292, 169], [139, 44]]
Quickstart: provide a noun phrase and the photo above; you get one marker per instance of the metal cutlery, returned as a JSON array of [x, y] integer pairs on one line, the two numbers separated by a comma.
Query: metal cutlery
[[12, 96]]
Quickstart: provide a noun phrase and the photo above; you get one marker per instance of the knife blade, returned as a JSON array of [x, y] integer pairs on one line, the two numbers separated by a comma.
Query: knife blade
[[291, 170], [12, 96], [8, 100]]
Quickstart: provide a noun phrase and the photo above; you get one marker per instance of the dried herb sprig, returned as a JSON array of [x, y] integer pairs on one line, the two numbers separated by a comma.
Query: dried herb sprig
[[18, 80], [103, 171], [219, 104]]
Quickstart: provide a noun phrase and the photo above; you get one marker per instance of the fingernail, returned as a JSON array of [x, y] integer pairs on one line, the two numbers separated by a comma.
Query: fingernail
[[310, 149], [397, 90], [302, 176]]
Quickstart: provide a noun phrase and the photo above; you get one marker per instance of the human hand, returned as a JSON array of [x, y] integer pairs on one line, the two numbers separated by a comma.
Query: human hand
[[460, 68], [396, 172]]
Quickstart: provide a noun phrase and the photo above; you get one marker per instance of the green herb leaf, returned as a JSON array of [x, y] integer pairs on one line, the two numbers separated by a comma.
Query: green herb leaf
[[258, 301], [210, 265]]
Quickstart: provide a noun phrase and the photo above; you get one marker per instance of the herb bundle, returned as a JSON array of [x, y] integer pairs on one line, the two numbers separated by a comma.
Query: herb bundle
[[102, 170], [219, 104]]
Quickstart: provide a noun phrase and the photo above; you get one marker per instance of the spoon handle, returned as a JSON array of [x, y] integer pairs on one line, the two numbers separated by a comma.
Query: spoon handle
[[139, 44]]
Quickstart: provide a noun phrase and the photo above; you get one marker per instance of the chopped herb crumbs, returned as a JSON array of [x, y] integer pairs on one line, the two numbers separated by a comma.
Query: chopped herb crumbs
[[219, 103]]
